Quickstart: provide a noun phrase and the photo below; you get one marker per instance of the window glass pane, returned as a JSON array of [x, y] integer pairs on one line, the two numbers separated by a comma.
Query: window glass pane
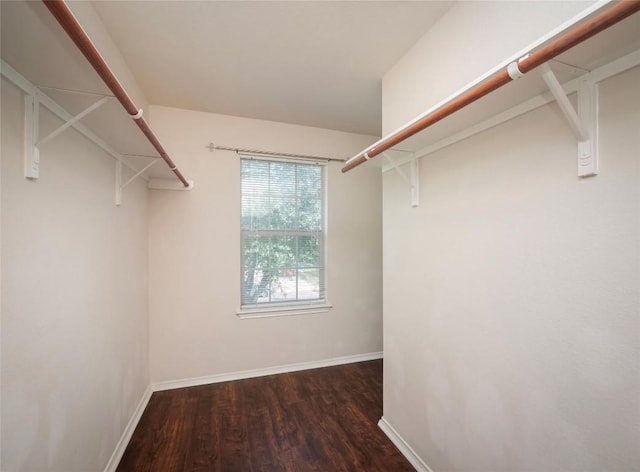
[[308, 251], [308, 284], [256, 261], [281, 221], [283, 198], [255, 194], [309, 191], [283, 252], [283, 213], [255, 287], [256, 252], [283, 288]]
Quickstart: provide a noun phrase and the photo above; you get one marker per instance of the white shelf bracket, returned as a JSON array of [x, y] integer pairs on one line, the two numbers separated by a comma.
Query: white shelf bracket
[[584, 122], [588, 113], [67, 124], [396, 167], [32, 143], [31, 125], [120, 186], [140, 172], [413, 181], [118, 183]]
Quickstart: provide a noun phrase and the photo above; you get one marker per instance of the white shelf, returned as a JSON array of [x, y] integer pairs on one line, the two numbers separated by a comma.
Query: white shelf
[[35, 45], [620, 41]]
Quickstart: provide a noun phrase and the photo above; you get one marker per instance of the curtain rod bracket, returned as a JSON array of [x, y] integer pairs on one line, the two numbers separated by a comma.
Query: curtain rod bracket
[[138, 115]]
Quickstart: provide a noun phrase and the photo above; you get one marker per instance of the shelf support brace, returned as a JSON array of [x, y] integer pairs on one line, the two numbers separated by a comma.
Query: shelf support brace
[[31, 131], [31, 125], [118, 183], [413, 181], [583, 123], [139, 173], [120, 186], [73, 121], [588, 112]]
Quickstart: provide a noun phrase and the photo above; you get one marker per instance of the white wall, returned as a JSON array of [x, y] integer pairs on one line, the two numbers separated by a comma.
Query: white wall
[[194, 254], [470, 39], [512, 297], [74, 302]]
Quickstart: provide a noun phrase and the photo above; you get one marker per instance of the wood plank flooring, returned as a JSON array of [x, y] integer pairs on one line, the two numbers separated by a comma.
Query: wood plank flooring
[[314, 420]]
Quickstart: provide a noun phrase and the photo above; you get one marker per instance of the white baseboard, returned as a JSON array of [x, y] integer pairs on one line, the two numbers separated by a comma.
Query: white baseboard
[[247, 374], [128, 432], [402, 445]]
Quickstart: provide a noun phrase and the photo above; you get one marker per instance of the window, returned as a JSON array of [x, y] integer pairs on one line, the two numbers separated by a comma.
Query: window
[[282, 219]]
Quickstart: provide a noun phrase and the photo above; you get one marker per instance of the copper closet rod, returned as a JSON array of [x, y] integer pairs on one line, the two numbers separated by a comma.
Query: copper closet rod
[[601, 21], [67, 20]]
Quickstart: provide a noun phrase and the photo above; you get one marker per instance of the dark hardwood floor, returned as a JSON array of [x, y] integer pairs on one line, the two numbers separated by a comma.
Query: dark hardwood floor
[[314, 420]]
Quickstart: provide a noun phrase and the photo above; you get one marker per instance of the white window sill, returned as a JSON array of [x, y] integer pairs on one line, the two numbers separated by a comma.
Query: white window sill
[[291, 310]]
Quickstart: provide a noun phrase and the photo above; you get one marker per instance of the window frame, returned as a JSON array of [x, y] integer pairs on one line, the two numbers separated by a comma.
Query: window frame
[[295, 307]]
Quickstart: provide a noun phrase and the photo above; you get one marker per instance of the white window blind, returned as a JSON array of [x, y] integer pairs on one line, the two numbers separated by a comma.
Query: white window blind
[[282, 219]]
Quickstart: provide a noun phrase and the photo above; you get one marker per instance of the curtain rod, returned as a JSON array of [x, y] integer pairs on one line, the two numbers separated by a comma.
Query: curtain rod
[[611, 15], [63, 14], [212, 147]]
